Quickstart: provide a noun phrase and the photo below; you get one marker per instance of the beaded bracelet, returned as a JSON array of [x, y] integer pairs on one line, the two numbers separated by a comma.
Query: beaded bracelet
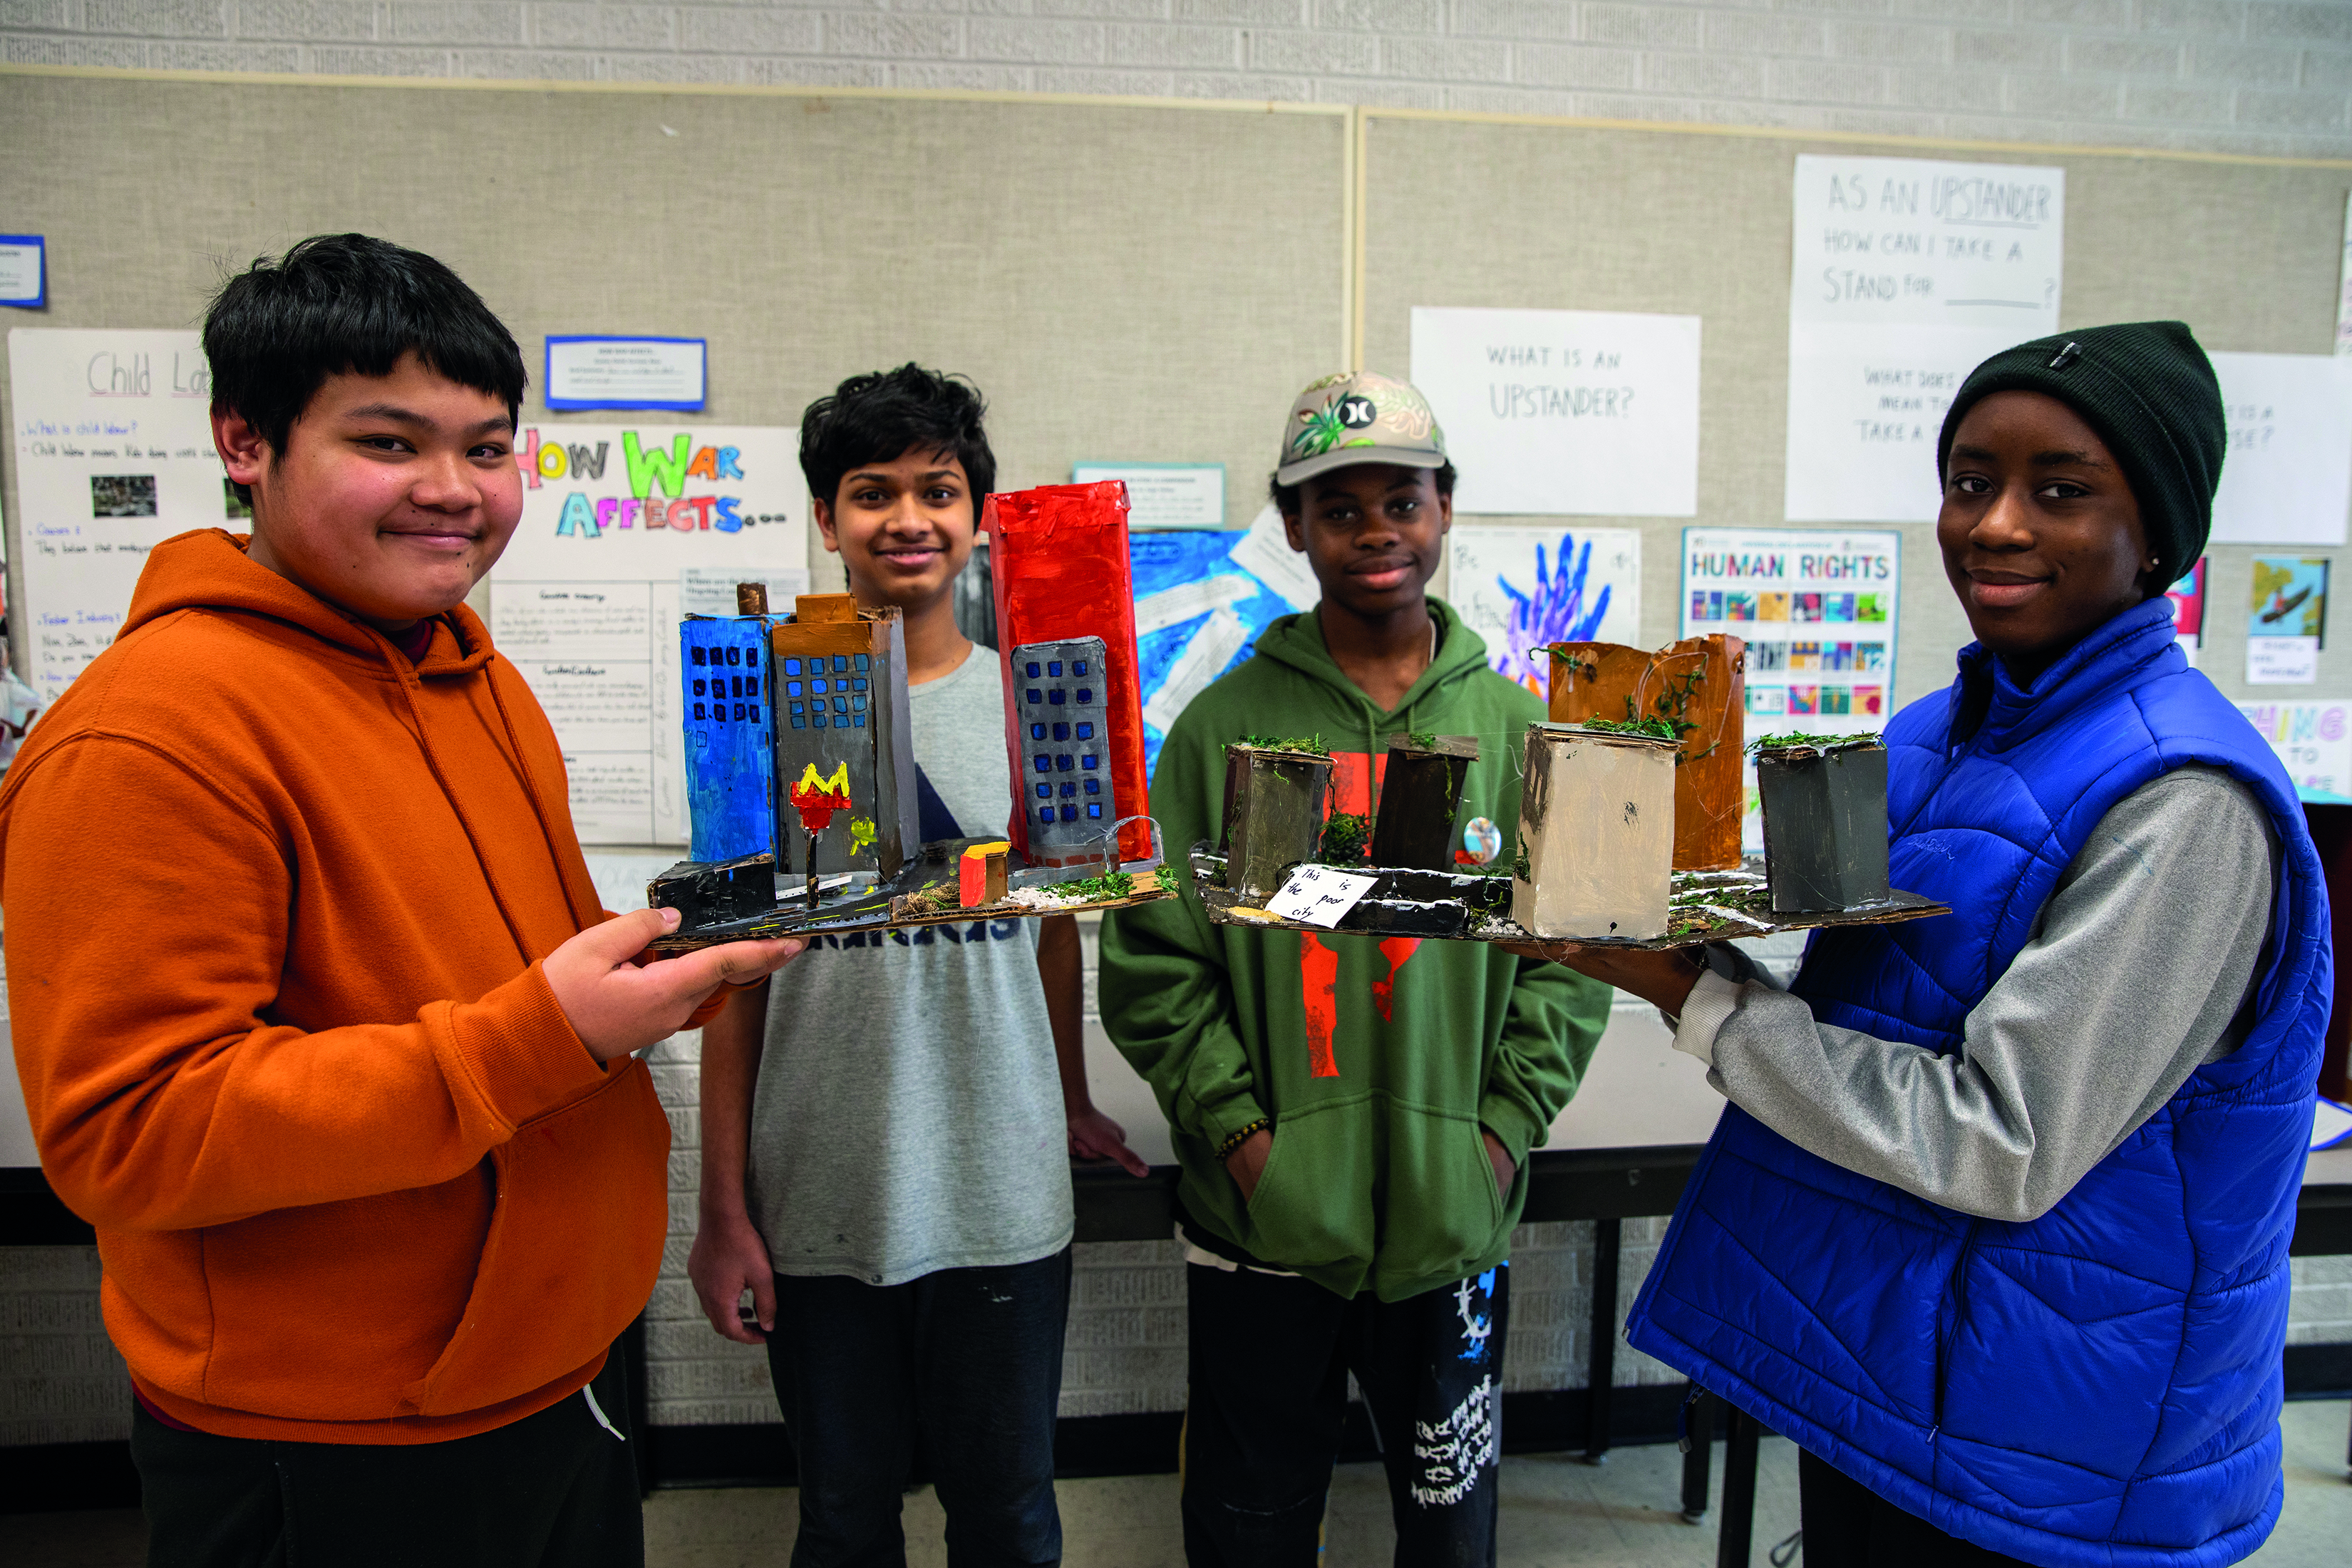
[[1225, 1149]]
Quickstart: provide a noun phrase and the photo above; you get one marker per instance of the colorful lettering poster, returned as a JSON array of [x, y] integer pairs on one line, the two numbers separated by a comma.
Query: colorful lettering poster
[[2287, 621], [1564, 412], [114, 455], [1199, 604], [1904, 274], [587, 598], [2314, 742], [2287, 476], [1819, 610], [1526, 588]]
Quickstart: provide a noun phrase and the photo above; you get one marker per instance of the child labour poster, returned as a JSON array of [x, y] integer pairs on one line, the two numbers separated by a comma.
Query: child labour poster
[[1523, 589], [2286, 477], [1202, 597], [1591, 413], [1904, 274], [114, 455], [1818, 610], [586, 600]]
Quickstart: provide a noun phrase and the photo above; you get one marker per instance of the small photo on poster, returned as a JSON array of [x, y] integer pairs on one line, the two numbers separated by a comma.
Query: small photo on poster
[[1804, 699], [1870, 701], [2188, 597], [2287, 625], [1770, 699]]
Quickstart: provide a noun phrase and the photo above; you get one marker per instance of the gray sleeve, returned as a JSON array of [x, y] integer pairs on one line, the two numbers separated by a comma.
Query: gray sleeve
[[2135, 977]]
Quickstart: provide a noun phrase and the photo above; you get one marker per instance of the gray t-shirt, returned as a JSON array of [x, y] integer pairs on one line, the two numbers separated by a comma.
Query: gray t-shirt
[[907, 1116]]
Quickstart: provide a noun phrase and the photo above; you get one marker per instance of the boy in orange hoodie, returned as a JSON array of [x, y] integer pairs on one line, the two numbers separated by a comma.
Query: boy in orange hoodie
[[319, 1020]]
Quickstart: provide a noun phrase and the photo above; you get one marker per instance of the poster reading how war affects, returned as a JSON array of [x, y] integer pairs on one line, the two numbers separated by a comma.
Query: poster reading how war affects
[[619, 523], [1523, 589], [1817, 608], [1201, 597], [1904, 274], [114, 454]]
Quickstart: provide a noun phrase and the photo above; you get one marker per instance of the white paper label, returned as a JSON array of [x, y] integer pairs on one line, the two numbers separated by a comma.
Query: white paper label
[[1164, 495], [2282, 661], [710, 590], [1318, 896], [625, 373], [2287, 478]]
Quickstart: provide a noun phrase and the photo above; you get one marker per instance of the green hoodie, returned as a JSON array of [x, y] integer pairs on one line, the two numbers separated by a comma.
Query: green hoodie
[[1377, 1175]]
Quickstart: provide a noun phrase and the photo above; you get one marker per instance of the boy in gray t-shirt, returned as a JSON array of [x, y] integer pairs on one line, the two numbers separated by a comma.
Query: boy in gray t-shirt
[[886, 1133]]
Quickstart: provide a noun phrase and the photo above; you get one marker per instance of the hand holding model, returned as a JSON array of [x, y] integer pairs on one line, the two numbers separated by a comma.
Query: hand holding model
[[617, 1003]]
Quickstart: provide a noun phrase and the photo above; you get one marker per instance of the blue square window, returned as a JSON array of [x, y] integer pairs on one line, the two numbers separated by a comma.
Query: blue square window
[[1032, 669], [841, 704], [863, 662], [1061, 732], [698, 690], [1044, 764], [752, 658], [1063, 762], [792, 688], [817, 719], [859, 684], [798, 708], [719, 711], [1055, 696], [840, 663], [1094, 786], [1069, 814], [792, 666], [734, 656], [1044, 791], [698, 709], [1077, 667], [1036, 695], [701, 655], [1036, 731], [799, 722], [817, 686], [1089, 761], [1045, 814], [1069, 789], [859, 720], [739, 712], [1085, 694], [858, 703], [755, 713], [1094, 807], [1086, 732], [1055, 669]]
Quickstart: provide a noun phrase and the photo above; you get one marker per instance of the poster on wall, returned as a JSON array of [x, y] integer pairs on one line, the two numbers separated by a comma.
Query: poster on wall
[[1523, 589], [1591, 413], [1904, 274], [1819, 610], [1202, 597], [2314, 742], [2188, 596], [2287, 621], [114, 454], [619, 521], [2286, 477]]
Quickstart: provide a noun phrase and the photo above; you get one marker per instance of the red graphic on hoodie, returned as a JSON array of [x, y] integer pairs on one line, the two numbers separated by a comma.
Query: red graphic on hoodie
[[1318, 976], [1353, 775], [1396, 950]]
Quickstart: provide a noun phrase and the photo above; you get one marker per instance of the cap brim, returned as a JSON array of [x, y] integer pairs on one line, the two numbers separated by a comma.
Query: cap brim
[[1356, 456]]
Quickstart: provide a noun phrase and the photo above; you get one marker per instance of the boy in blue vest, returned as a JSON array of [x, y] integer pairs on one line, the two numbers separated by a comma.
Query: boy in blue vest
[[1996, 1224]]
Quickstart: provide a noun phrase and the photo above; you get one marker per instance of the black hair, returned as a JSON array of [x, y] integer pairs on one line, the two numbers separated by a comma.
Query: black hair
[[883, 415], [341, 304], [1286, 498]]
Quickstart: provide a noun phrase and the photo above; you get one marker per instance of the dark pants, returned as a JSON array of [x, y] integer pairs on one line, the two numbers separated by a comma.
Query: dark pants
[[972, 1358], [1269, 1361], [1847, 1525], [555, 1489]]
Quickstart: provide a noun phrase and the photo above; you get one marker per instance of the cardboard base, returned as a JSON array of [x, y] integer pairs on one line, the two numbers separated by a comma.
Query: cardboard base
[[1704, 906], [926, 892]]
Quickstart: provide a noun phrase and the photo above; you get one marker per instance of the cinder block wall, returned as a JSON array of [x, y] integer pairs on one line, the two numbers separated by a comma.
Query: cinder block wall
[[2268, 75]]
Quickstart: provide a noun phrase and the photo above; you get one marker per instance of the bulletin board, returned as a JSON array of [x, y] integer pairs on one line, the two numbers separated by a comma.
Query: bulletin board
[[1122, 279], [1504, 212]]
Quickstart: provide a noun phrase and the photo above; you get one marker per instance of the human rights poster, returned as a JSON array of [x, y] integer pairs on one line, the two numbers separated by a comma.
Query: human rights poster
[[586, 600]]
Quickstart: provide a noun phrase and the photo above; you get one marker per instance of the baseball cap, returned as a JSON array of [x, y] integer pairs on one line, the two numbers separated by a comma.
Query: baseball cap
[[1358, 417]]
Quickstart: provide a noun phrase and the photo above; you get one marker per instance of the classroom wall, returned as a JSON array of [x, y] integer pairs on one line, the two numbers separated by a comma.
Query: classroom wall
[[2255, 76]]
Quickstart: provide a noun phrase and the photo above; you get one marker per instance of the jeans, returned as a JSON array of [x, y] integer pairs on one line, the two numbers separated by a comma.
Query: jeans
[[1270, 1357], [557, 1489], [972, 1357]]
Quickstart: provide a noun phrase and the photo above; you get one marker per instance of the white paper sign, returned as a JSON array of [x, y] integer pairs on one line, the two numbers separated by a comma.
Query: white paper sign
[[24, 275], [1564, 412], [1164, 495], [1526, 588], [114, 454], [625, 373], [2313, 744], [2282, 661], [710, 590], [586, 600], [1318, 896], [2287, 476], [1905, 274]]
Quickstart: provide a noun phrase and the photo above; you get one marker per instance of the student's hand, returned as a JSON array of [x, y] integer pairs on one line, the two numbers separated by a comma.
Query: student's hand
[[1094, 1136], [617, 1003], [728, 1258], [1247, 1162], [1660, 976], [1504, 1168]]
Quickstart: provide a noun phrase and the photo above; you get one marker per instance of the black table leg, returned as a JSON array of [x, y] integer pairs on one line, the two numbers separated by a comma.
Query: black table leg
[[1698, 1454], [1740, 1434], [1600, 1366]]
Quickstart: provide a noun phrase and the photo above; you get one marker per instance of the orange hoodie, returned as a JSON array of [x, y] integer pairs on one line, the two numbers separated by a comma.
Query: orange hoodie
[[276, 903]]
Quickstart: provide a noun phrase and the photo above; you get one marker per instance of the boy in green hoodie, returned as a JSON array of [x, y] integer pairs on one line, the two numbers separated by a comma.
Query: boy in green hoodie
[[1352, 1117]]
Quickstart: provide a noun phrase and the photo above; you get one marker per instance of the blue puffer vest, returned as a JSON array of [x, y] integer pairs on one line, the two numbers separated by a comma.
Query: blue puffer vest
[[2098, 1387]]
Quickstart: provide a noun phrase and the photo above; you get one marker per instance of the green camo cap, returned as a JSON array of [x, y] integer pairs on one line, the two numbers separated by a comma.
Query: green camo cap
[[1358, 417]]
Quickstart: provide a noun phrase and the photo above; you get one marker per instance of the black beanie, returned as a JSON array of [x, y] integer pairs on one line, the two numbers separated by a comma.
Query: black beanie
[[2148, 390]]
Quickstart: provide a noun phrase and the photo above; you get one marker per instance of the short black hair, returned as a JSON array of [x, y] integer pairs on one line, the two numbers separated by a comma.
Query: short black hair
[[883, 415], [341, 304], [1287, 502]]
